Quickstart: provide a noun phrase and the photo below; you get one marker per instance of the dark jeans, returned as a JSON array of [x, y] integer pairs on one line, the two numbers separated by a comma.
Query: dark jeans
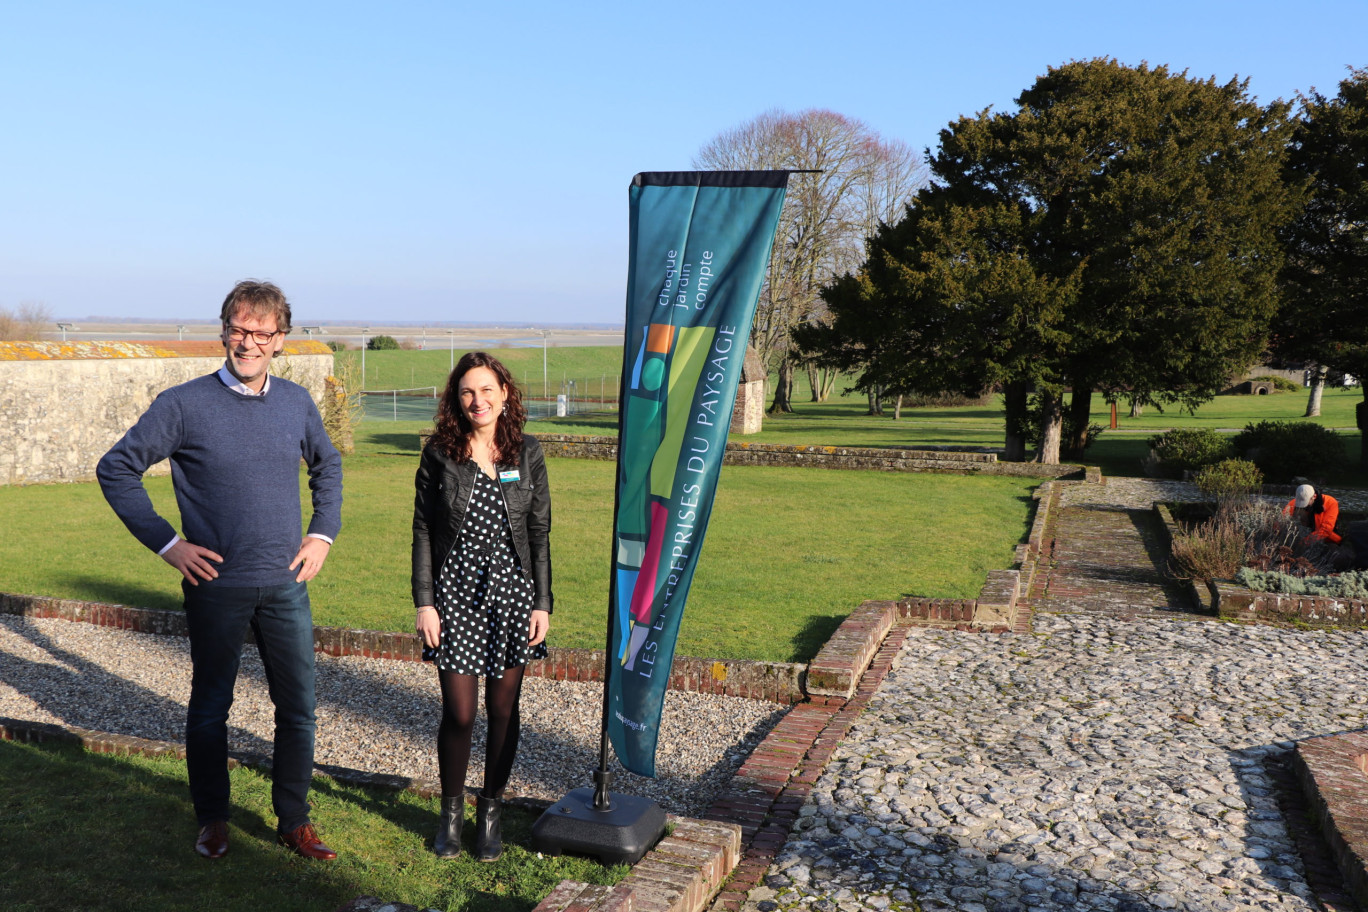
[[218, 619]]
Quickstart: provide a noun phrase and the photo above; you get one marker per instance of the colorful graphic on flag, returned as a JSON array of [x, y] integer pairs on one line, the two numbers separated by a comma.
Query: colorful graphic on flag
[[700, 244]]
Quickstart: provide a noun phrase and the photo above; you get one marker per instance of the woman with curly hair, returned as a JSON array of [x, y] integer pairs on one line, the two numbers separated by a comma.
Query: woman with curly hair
[[481, 580]]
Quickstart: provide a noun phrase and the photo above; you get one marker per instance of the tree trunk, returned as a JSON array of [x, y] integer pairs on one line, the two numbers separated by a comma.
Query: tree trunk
[[1014, 398], [828, 380], [1361, 419], [814, 382], [783, 388], [897, 407], [1080, 410], [875, 400], [1136, 408], [1051, 429], [1313, 402]]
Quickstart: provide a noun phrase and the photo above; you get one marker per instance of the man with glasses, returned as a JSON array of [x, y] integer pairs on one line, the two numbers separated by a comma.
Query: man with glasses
[[235, 439]]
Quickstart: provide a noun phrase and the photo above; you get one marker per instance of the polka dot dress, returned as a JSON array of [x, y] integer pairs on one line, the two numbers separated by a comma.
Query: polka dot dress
[[484, 599]]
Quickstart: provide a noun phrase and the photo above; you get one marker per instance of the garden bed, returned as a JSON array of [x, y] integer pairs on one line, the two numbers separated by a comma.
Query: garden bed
[[1227, 599]]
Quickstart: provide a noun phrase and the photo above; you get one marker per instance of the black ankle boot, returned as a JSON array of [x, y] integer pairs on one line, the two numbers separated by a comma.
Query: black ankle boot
[[488, 841], [448, 841]]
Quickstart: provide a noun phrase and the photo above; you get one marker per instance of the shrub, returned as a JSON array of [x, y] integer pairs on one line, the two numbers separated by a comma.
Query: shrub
[[1285, 450], [1229, 480], [382, 343], [1349, 585], [1281, 384], [1210, 550], [1185, 449], [336, 345], [27, 324], [945, 400], [342, 407], [1248, 534]]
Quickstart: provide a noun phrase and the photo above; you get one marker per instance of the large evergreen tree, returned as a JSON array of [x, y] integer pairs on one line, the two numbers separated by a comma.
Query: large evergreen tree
[[955, 286], [1143, 206], [1324, 319]]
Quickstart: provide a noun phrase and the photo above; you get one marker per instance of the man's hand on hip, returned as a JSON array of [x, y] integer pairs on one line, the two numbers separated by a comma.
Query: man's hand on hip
[[192, 561], [312, 553]]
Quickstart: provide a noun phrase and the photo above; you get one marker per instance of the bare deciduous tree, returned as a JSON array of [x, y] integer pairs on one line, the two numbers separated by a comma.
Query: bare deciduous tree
[[27, 324], [852, 181]]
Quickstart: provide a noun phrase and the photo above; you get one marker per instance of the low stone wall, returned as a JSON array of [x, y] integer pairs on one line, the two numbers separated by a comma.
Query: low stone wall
[[681, 874], [960, 461], [63, 405], [1027, 555]]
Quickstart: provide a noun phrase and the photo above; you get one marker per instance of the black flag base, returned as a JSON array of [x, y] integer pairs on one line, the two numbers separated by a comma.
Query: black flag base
[[614, 828]]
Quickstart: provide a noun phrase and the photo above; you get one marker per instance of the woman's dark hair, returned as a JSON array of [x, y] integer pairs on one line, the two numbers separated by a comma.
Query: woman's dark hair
[[452, 435]]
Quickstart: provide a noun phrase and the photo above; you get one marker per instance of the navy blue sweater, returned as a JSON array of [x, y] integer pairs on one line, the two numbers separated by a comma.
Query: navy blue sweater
[[235, 467]]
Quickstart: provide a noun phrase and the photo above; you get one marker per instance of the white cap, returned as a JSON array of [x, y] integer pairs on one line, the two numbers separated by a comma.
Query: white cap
[[1305, 494]]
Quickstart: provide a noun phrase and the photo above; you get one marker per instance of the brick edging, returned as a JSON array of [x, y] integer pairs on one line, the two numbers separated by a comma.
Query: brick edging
[[1170, 528], [679, 875], [1237, 603], [1331, 772], [1319, 865]]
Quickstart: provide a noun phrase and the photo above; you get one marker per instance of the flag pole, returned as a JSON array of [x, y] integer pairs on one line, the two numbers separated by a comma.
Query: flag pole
[[603, 776], [670, 349]]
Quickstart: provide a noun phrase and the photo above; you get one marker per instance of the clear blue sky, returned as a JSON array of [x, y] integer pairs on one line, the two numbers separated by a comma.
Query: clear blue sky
[[470, 162]]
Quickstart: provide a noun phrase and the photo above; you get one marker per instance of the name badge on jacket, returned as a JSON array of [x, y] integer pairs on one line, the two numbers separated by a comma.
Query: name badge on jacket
[[510, 475]]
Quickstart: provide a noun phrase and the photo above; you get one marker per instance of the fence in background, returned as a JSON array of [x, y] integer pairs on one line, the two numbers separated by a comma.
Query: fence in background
[[420, 403]]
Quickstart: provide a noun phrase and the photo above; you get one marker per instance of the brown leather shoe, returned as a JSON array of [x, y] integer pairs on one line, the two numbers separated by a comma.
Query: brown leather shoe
[[304, 840], [213, 839]]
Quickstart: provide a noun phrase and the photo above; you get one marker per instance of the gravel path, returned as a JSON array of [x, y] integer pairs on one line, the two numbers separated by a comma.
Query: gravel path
[[373, 715]]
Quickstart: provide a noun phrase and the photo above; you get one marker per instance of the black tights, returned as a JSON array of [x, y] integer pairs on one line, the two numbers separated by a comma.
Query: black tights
[[460, 694]]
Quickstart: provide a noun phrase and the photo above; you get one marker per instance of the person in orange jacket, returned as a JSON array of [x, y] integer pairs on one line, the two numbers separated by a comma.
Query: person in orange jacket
[[1317, 510]]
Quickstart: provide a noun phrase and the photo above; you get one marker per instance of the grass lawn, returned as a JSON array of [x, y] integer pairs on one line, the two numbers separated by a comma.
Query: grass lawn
[[598, 367], [594, 368], [789, 552], [842, 420], [99, 832]]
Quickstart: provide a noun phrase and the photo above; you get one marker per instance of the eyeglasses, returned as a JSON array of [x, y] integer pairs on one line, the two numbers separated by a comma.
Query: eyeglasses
[[259, 336]]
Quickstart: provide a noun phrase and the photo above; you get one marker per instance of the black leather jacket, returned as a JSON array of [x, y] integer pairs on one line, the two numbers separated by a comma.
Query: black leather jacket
[[443, 492]]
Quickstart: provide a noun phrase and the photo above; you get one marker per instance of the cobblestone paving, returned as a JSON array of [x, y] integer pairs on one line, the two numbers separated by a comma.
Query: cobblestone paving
[[1098, 764], [1117, 759]]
